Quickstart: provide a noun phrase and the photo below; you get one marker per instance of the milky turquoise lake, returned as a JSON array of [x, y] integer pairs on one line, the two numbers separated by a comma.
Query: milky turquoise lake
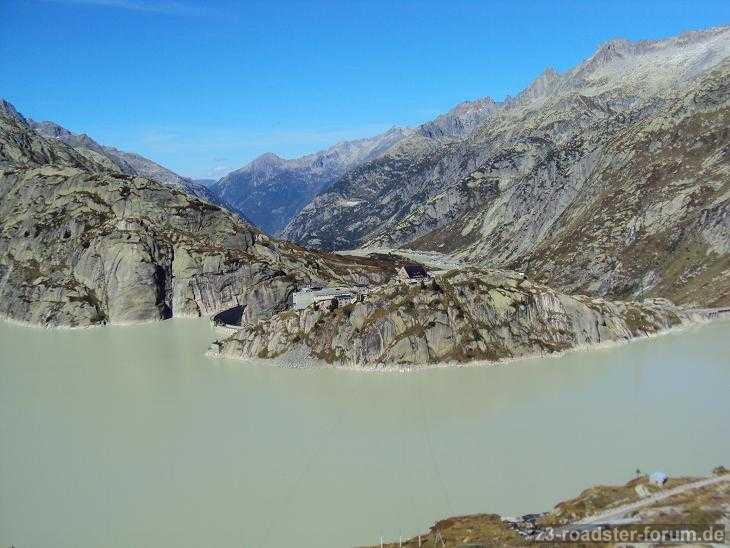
[[131, 436]]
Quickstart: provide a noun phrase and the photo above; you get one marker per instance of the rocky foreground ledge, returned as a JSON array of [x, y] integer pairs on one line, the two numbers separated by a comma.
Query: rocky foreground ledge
[[462, 316], [689, 508]]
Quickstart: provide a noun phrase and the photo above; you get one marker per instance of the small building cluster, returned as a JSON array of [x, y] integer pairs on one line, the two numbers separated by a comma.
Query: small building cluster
[[324, 295]]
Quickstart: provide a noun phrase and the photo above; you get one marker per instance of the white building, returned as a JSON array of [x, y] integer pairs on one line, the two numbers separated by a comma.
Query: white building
[[308, 296]]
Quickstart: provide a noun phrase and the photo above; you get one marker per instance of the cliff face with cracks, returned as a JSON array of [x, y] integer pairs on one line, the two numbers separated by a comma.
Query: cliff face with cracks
[[472, 314], [83, 245]]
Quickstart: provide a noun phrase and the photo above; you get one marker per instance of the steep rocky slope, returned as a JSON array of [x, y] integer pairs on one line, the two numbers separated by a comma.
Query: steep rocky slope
[[127, 163], [82, 244], [375, 193], [460, 121], [270, 190], [611, 178], [473, 314]]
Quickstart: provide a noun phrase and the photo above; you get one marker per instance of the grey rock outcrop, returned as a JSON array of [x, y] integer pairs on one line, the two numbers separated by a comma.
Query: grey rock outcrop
[[127, 163], [82, 244], [461, 120], [472, 314]]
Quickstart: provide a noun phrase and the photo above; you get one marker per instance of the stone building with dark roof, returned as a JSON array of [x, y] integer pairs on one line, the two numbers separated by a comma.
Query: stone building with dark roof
[[412, 272]]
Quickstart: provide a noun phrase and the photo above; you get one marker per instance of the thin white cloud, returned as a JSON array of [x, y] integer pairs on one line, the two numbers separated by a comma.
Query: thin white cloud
[[169, 7]]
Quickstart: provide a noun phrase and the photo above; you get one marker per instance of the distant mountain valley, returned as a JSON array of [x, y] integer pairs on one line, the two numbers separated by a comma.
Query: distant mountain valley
[[271, 190]]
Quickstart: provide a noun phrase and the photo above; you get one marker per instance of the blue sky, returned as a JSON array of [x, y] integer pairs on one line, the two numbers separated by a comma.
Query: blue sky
[[204, 87]]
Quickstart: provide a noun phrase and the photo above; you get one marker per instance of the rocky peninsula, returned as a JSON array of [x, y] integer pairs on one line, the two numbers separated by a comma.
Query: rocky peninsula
[[460, 316]]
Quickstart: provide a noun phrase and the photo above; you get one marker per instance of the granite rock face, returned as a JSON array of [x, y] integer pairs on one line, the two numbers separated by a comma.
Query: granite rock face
[[611, 179], [465, 315], [83, 244]]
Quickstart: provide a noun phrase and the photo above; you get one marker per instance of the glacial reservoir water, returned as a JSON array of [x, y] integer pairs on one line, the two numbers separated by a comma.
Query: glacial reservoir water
[[130, 436]]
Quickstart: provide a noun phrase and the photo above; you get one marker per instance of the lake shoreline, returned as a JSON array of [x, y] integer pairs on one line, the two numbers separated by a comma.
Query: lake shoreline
[[298, 360], [92, 417]]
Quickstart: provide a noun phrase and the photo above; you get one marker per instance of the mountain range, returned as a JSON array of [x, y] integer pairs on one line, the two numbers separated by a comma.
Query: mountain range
[[271, 190], [611, 178]]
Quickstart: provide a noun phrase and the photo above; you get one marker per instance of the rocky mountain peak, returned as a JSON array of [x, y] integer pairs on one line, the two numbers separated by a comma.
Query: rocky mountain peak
[[7, 109], [394, 129], [50, 129], [545, 84], [477, 105], [607, 53], [461, 120], [267, 159], [616, 48], [85, 140], [648, 65]]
